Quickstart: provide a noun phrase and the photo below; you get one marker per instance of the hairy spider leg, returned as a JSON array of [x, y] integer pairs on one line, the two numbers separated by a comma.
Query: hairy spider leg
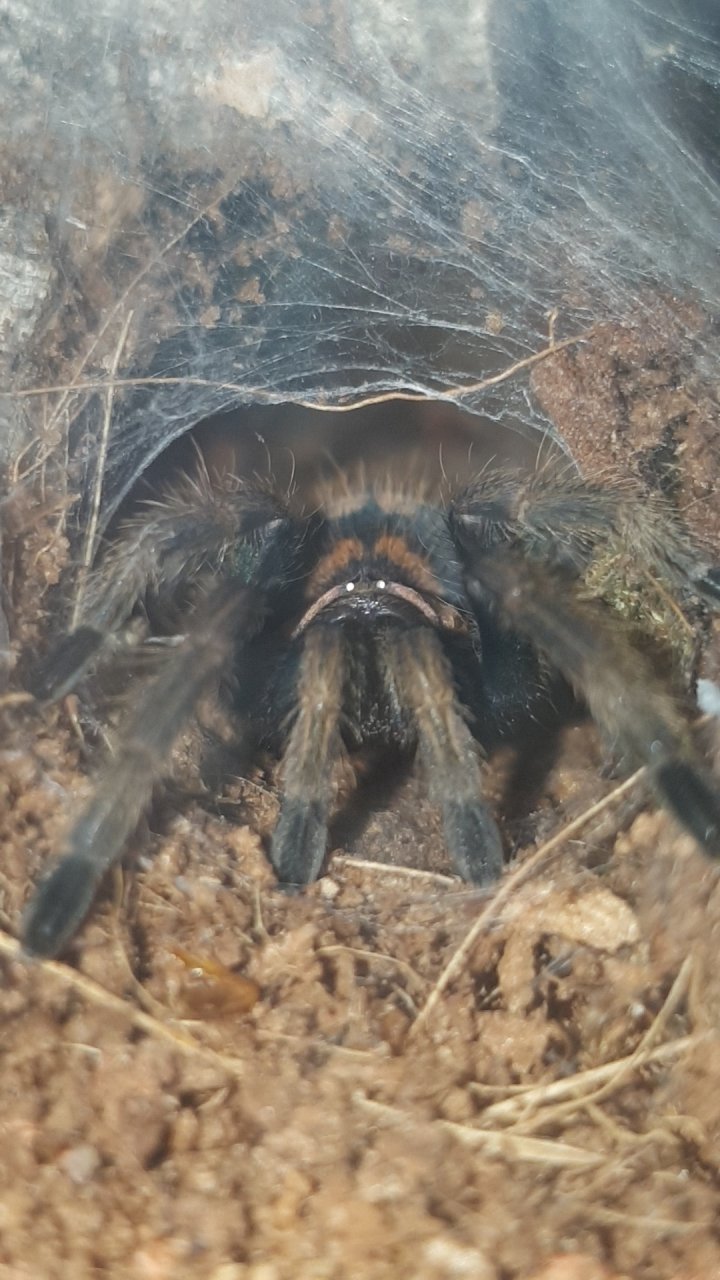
[[448, 752], [610, 675], [195, 528], [561, 519], [299, 842], [419, 686], [125, 786]]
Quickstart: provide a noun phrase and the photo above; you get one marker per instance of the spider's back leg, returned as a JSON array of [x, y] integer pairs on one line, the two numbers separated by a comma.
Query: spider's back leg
[[299, 842], [581, 639], [562, 520]]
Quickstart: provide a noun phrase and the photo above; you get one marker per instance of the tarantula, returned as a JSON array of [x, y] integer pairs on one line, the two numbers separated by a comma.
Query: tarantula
[[385, 623]]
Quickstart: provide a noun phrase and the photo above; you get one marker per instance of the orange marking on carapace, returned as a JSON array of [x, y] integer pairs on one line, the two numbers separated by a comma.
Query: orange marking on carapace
[[327, 570], [413, 567]]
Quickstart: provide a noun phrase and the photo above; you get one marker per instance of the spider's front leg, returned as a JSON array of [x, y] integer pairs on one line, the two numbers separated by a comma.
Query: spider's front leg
[[299, 842], [419, 673], [419, 686], [124, 788]]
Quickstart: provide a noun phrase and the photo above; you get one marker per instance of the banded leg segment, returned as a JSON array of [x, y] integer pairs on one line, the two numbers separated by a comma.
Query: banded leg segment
[[124, 788], [418, 669], [299, 842]]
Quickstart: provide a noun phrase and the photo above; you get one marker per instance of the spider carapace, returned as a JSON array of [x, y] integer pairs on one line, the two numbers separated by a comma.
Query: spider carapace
[[379, 623]]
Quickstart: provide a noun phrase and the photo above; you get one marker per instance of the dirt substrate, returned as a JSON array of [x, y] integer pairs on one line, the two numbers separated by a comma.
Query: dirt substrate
[[389, 1075], [555, 1113]]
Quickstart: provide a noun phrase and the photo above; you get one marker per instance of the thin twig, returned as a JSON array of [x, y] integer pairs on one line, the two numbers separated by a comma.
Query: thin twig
[[526, 363], [99, 478], [373, 957], [348, 862], [508, 887], [261, 393], [582, 1084], [502, 1146], [674, 998], [18, 699], [96, 994]]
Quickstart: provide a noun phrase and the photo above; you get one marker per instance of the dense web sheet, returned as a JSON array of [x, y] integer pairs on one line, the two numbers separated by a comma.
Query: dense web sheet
[[323, 202], [218, 207]]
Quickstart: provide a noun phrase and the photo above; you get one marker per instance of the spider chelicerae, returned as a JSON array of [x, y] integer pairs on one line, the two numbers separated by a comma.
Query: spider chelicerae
[[381, 623]]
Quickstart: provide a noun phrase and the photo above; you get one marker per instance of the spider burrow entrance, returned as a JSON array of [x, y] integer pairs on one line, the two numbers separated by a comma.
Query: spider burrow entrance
[[380, 618]]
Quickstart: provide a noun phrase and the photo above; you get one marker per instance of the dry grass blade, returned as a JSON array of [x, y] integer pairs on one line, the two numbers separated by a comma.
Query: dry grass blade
[[546, 1104], [98, 995], [92, 526], [580, 1087], [262, 394], [624, 1068], [509, 886], [350, 863], [168, 1031], [653, 1224], [498, 1146]]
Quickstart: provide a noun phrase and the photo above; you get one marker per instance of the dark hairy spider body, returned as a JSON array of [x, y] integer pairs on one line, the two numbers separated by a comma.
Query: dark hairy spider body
[[380, 623]]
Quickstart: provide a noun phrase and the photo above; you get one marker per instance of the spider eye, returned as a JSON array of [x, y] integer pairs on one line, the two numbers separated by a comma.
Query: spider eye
[[381, 584], [349, 586]]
